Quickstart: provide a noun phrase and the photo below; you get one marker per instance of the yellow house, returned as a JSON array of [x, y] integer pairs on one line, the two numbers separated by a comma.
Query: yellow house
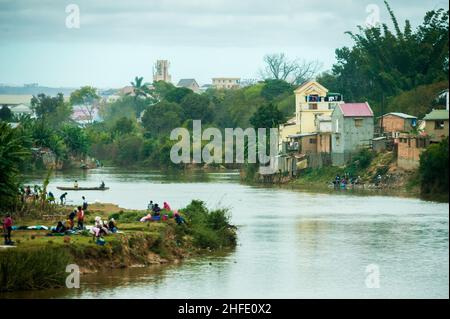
[[312, 100]]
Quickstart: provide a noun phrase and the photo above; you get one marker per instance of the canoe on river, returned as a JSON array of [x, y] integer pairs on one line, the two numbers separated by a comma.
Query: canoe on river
[[82, 188]]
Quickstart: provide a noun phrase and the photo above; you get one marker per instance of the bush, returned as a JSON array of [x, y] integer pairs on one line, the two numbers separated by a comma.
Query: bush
[[433, 169], [210, 229], [33, 268], [126, 216]]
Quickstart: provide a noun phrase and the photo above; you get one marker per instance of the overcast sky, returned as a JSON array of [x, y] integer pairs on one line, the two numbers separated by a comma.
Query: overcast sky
[[118, 40]]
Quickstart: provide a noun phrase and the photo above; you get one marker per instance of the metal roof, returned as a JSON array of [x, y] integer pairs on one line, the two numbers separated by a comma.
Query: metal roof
[[436, 115]]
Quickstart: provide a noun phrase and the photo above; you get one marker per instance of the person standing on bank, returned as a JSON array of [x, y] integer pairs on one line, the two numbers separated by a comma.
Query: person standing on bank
[[85, 203]]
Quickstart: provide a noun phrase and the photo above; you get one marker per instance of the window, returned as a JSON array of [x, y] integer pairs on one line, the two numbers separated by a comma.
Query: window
[[438, 125], [313, 106], [312, 141], [358, 122]]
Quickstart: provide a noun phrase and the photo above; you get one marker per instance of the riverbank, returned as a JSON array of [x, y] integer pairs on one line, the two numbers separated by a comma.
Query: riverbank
[[39, 261]]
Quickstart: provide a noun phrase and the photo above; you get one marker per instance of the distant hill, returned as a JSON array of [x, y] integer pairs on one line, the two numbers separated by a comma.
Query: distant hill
[[34, 90]]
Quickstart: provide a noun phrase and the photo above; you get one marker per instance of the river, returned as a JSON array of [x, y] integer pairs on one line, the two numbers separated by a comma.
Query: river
[[292, 243]]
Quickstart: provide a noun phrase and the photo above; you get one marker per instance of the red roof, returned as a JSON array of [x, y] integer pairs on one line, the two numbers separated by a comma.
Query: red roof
[[356, 109]]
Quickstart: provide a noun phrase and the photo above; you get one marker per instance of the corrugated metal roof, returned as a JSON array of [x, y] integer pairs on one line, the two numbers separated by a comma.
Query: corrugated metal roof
[[187, 82], [356, 109], [402, 115], [436, 115]]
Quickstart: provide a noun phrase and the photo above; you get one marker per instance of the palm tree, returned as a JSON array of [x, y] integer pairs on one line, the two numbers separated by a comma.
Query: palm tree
[[139, 89], [13, 152]]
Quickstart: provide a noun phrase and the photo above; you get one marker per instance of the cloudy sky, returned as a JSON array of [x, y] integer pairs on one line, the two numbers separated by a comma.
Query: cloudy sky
[[117, 40]]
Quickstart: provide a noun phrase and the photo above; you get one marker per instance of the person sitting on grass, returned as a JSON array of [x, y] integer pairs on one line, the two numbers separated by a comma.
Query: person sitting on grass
[[60, 228], [7, 229], [166, 207], [156, 210], [112, 225], [178, 218]]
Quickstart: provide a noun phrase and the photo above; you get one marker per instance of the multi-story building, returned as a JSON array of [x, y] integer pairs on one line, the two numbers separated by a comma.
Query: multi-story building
[[226, 83], [352, 129], [312, 100]]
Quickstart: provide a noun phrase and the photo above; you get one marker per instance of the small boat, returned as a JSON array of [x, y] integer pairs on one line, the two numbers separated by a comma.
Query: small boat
[[82, 188]]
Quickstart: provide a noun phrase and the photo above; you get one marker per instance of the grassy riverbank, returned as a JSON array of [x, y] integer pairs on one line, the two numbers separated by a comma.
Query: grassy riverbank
[[39, 261]]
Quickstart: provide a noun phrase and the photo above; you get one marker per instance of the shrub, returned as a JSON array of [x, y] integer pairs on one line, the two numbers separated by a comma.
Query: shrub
[[33, 268]]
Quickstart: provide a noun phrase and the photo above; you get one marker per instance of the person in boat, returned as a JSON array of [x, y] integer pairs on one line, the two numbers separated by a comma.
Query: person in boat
[[72, 218], [166, 207], [75, 185], [102, 185], [85, 203], [7, 229], [62, 198], [80, 218]]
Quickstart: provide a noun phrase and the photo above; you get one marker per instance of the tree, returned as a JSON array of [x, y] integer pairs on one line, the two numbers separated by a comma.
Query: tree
[[279, 67], [86, 98], [123, 126], [141, 93], [275, 88], [5, 114], [53, 111], [177, 94], [75, 139], [267, 116], [384, 63], [13, 153], [433, 169], [161, 118], [197, 107]]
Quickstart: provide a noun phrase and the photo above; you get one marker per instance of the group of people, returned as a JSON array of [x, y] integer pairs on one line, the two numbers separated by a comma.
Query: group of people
[[342, 182], [102, 227], [69, 224], [156, 213]]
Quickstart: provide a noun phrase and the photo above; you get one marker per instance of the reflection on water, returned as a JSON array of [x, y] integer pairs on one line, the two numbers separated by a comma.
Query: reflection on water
[[292, 244]]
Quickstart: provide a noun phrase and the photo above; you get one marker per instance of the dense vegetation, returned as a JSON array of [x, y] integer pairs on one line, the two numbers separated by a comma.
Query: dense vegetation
[[399, 67], [433, 170]]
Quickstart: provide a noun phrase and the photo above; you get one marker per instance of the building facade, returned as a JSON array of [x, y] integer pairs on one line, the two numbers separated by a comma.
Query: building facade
[[352, 129], [392, 123], [226, 83], [436, 125], [409, 148], [190, 84], [312, 100]]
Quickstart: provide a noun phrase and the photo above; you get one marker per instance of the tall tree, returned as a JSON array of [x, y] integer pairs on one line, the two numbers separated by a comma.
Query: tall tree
[[278, 66], [13, 152], [53, 111], [86, 99], [384, 63]]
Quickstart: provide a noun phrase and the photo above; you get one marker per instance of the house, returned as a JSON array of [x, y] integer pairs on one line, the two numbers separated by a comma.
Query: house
[[22, 109], [312, 100], [190, 84], [436, 125], [393, 123], [226, 83], [409, 148], [352, 129]]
